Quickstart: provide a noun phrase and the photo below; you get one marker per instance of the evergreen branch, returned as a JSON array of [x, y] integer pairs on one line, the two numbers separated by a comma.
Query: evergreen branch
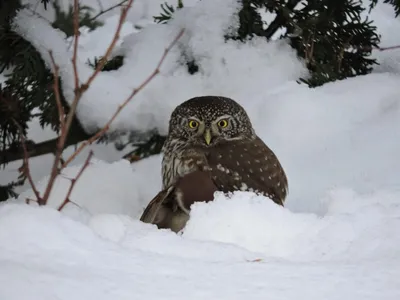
[[280, 19], [127, 100], [74, 180], [103, 11], [42, 148], [6, 191]]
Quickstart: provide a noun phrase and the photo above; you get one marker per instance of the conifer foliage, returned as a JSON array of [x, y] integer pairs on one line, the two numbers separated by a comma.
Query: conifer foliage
[[329, 34], [335, 42], [394, 3]]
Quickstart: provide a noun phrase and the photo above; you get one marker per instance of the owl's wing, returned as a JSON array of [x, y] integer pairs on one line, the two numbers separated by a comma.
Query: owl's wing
[[170, 208], [152, 209], [248, 165]]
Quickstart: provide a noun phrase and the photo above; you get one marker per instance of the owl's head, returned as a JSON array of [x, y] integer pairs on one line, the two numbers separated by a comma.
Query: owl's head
[[209, 120]]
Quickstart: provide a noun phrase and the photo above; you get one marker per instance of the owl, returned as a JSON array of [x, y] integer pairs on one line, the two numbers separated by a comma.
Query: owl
[[211, 146]]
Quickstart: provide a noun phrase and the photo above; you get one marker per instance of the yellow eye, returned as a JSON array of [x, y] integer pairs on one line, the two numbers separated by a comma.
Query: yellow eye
[[193, 124], [223, 123]]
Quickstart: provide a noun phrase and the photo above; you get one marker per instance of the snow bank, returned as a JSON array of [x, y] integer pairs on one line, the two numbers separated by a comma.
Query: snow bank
[[349, 226], [271, 252], [354, 227]]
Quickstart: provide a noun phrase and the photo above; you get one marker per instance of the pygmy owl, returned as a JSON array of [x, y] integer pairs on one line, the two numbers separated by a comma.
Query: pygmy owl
[[212, 146]]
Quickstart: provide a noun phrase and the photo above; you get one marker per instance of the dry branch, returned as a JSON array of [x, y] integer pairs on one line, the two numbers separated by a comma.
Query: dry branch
[[388, 48], [74, 180], [25, 164], [76, 43], [103, 11], [61, 114], [80, 89], [100, 65], [127, 100]]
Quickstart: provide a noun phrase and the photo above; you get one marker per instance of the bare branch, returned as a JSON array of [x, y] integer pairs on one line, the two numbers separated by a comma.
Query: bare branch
[[389, 48], [37, 14], [127, 100], [60, 108], [74, 180], [124, 12], [103, 11], [62, 137], [58, 163], [25, 166], [76, 42], [79, 90]]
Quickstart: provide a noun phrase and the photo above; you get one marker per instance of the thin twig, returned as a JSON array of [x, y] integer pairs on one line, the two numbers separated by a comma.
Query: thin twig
[[103, 11], [38, 15], [60, 108], [124, 12], [76, 40], [127, 100], [79, 90], [388, 48], [74, 180], [26, 169], [62, 137]]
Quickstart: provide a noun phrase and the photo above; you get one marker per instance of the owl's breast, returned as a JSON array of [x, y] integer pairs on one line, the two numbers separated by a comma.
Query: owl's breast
[[178, 164], [248, 165]]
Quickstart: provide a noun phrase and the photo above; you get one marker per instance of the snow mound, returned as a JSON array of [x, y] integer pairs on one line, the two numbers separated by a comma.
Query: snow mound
[[349, 226], [114, 256], [354, 227]]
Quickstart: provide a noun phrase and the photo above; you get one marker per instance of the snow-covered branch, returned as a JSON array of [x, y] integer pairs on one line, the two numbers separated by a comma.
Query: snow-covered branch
[[79, 90]]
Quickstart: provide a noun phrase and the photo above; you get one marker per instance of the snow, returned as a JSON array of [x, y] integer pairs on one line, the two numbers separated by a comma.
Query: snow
[[260, 250], [389, 60], [220, 71], [338, 236]]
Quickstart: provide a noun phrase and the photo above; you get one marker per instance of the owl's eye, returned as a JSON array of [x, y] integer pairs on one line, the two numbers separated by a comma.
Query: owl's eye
[[193, 124], [223, 123]]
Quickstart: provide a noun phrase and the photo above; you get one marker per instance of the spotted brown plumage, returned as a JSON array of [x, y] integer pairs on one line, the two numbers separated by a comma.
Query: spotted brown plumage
[[212, 146]]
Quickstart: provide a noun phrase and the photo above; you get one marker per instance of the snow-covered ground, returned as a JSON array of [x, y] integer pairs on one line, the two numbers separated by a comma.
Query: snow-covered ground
[[337, 238]]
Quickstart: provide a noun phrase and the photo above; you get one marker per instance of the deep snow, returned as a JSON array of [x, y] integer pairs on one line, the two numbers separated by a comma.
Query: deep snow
[[337, 238]]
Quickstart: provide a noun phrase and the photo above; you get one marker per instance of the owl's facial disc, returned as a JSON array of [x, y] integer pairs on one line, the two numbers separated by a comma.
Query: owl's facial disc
[[207, 133]]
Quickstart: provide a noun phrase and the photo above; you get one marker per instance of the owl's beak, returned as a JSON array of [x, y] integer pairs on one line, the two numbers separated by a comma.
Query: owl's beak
[[207, 136]]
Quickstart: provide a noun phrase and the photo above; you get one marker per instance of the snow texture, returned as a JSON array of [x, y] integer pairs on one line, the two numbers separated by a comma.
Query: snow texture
[[203, 40], [338, 237]]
